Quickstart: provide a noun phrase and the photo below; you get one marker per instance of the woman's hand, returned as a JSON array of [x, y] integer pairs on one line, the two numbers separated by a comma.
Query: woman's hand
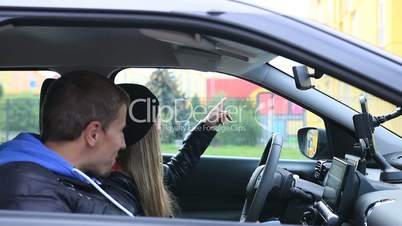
[[217, 116]]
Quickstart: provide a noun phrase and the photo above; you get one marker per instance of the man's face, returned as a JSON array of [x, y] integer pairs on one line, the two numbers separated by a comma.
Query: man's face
[[112, 140]]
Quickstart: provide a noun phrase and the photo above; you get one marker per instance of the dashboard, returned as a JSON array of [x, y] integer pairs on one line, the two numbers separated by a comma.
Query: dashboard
[[351, 198], [334, 207]]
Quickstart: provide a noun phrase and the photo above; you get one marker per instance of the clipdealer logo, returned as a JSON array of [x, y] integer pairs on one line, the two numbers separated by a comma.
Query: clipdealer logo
[[195, 113]]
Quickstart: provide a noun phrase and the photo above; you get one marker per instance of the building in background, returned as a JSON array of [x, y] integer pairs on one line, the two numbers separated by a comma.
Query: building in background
[[25, 83], [274, 113], [377, 22]]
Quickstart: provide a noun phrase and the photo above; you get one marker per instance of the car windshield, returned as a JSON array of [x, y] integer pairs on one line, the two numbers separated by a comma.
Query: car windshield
[[346, 94]]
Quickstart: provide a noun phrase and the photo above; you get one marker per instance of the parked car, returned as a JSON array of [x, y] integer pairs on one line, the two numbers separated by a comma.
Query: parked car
[[342, 178]]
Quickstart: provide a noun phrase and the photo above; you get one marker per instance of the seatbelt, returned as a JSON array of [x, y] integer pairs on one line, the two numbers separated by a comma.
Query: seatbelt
[[103, 192]]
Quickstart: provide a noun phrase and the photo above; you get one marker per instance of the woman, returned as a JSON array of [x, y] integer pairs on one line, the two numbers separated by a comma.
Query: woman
[[144, 184]]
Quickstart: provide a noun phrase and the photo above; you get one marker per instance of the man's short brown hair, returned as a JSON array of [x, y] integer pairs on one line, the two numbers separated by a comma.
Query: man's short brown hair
[[75, 100]]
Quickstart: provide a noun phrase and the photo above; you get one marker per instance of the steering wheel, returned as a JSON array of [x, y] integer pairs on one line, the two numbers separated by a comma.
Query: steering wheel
[[261, 181]]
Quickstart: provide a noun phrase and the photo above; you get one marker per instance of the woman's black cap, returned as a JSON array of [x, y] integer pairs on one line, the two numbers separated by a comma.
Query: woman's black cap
[[142, 112]]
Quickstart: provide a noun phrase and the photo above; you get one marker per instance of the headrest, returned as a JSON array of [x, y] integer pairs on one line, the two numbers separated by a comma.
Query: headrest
[[142, 112], [43, 91]]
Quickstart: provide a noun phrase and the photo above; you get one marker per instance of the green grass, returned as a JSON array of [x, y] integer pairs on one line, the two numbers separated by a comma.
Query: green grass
[[238, 151]]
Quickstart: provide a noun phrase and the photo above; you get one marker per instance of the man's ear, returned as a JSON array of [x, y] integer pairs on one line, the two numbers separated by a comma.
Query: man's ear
[[92, 132]]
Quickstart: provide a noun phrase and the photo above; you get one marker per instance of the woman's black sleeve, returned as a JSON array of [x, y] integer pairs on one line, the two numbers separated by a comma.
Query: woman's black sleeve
[[194, 145]]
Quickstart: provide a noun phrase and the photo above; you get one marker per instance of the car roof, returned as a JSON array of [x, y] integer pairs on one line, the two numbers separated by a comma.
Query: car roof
[[156, 5]]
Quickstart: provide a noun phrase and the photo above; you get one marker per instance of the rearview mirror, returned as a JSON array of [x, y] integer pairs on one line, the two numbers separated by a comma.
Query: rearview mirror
[[313, 143], [302, 77]]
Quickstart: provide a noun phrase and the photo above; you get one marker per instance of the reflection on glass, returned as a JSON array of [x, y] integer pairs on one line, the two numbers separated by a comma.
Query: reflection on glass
[[312, 140]]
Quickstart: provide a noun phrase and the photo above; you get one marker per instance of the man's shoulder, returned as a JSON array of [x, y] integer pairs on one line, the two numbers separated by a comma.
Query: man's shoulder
[[28, 186], [20, 175], [25, 169], [25, 181]]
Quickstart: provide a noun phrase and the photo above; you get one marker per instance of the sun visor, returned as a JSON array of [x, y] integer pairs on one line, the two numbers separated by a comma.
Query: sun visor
[[197, 59]]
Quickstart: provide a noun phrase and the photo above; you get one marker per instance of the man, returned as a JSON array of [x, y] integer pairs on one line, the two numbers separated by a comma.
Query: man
[[83, 117]]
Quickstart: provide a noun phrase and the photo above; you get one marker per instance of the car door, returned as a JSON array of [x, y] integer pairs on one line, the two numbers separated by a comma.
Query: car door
[[216, 187]]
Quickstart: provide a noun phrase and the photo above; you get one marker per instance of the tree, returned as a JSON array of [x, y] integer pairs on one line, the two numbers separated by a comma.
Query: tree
[[1, 91], [164, 85], [22, 114], [196, 103]]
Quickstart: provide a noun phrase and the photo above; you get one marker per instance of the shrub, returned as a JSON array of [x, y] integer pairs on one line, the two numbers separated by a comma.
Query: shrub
[[20, 114]]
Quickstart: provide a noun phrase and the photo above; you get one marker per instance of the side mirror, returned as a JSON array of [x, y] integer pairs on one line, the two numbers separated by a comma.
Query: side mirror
[[313, 143], [302, 77]]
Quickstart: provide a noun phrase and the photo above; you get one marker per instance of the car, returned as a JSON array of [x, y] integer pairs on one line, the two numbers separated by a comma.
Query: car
[[345, 167]]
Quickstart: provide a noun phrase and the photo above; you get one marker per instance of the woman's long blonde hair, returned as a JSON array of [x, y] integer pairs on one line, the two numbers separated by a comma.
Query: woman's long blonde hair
[[143, 162]]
